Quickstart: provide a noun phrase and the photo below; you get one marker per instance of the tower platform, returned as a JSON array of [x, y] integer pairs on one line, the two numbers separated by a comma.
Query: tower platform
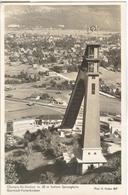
[[90, 158]]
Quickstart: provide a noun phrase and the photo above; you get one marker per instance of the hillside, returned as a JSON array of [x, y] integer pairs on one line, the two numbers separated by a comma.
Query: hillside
[[108, 174], [39, 158], [110, 77]]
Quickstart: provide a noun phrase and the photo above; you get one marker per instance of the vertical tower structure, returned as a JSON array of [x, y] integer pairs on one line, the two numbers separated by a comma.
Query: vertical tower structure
[[91, 154], [87, 87]]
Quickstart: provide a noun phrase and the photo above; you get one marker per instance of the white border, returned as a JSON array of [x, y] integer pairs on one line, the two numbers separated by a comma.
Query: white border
[[84, 189], [123, 94], [2, 117]]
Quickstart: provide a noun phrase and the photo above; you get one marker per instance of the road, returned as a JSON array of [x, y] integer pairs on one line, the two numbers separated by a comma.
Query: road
[[63, 77], [18, 108], [35, 102]]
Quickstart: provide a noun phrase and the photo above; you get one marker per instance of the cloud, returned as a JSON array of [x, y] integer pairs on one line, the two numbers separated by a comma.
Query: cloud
[[107, 17], [11, 10]]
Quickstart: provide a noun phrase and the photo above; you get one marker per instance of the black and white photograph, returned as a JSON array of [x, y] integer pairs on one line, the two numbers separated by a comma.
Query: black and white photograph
[[62, 94]]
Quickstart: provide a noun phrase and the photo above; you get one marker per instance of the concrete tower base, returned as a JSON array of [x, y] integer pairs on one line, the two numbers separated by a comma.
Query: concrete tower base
[[91, 158]]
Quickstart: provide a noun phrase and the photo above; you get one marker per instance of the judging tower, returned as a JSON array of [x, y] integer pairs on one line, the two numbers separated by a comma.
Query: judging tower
[[87, 87]]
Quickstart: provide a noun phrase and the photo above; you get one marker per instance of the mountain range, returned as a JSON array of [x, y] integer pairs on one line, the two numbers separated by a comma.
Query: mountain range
[[106, 17]]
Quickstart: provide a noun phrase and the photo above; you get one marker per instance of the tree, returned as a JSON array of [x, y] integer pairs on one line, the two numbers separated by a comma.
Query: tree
[[11, 175], [45, 96], [55, 145], [104, 178], [27, 136], [114, 58], [52, 59], [57, 69], [46, 178]]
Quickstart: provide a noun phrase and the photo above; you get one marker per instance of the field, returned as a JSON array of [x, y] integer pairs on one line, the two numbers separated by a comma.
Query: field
[[108, 76], [19, 109]]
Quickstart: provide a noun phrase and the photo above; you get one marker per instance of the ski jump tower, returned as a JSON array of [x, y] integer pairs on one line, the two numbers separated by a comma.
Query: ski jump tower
[[87, 87]]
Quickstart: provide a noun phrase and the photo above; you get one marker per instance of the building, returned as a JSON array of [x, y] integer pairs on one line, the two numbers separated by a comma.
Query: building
[[87, 88], [19, 127]]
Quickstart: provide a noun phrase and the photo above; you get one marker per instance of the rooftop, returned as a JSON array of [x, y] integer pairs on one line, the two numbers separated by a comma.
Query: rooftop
[[93, 44]]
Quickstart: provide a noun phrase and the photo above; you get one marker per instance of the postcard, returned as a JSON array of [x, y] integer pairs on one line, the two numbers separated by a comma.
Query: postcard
[[63, 98]]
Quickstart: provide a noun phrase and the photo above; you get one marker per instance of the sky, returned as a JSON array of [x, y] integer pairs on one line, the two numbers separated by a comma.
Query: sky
[[106, 17]]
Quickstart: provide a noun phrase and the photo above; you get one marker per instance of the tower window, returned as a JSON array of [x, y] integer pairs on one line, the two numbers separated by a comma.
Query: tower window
[[89, 153], [93, 88], [90, 67], [93, 77], [91, 52]]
